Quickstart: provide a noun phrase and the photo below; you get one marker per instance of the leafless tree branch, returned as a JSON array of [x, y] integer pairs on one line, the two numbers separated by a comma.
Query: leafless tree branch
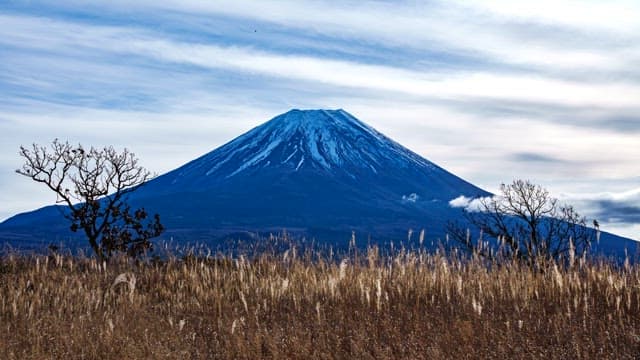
[[93, 184]]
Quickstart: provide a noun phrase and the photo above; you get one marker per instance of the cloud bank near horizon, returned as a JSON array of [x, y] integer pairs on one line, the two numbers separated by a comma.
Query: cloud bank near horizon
[[490, 90]]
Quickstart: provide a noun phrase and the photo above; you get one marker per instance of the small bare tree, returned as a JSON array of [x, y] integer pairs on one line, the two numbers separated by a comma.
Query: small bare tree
[[528, 223], [93, 184]]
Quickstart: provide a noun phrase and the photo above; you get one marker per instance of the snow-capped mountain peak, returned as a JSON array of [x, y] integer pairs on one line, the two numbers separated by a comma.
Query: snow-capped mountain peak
[[328, 140], [314, 148]]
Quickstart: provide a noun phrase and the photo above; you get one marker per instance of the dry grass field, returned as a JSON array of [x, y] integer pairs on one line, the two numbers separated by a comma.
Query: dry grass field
[[411, 305]]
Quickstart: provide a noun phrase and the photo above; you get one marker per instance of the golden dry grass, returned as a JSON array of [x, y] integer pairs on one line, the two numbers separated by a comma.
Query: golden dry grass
[[412, 305]]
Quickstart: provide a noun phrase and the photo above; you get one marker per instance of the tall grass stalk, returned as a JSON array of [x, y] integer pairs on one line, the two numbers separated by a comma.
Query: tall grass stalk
[[411, 304]]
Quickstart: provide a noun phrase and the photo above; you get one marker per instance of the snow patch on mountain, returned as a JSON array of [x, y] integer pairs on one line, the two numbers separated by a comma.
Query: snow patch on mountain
[[300, 163], [413, 197], [295, 151], [327, 139], [263, 154]]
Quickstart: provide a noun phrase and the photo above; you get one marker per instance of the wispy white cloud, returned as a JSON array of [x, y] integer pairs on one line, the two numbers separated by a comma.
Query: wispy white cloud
[[460, 202], [616, 16], [469, 204], [327, 71], [474, 28], [632, 195], [600, 36]]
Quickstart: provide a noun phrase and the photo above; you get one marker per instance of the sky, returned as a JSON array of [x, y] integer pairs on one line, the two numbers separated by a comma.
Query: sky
[[492, 91]]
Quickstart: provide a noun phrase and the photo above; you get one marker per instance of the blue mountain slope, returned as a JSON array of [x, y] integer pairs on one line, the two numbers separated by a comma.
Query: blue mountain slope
[[320, 172], [309, 169]]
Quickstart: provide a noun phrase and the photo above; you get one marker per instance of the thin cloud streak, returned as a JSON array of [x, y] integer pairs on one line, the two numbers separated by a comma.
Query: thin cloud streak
[[470, 29], [454, 27], [329, 71]]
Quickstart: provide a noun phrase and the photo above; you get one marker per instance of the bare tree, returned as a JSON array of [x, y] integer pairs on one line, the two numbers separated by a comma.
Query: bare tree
[[527, 222], [93, 184]]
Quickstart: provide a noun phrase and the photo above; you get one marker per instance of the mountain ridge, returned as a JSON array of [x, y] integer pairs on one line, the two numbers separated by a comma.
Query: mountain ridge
[[327, 142]]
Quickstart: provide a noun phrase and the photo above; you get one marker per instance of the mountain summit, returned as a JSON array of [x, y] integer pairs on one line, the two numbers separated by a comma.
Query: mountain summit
[[321, 172], [331, 141], [324, 144]]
